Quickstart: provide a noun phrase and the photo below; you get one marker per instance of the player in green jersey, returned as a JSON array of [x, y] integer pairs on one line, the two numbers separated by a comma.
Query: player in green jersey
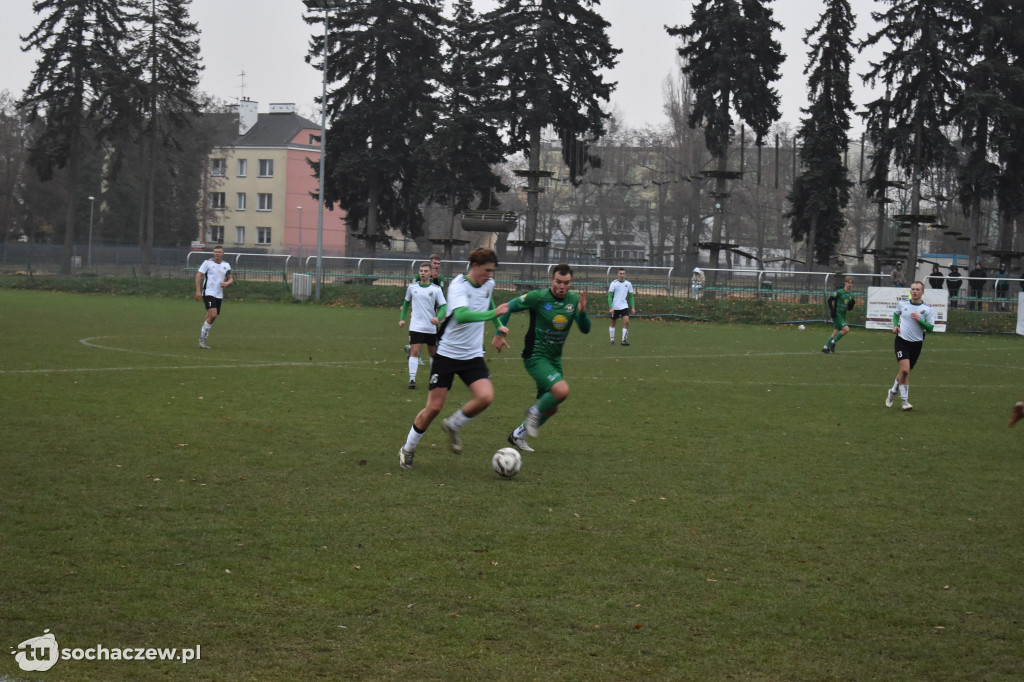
[[839, 304], [552, 312]]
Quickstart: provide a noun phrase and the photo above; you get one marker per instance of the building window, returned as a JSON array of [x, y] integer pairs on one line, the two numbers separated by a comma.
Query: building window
[[217, 234], [239, 234], [243, 168], [266, 168], [266, 202], [217, 200], [240, 201], [263, 235], [314, 140], [218, 167]]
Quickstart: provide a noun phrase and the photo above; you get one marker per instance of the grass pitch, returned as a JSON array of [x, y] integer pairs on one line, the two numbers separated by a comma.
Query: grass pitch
[[713, 502]]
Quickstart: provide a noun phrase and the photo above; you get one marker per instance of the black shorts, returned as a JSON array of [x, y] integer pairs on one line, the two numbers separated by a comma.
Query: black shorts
[[212, 302], [421, 338], [445, 370], [622, 312], [908, 350]]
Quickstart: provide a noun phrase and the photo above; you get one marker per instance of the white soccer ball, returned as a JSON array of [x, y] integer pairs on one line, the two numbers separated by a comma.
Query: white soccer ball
[[507, 462], [801, 327]]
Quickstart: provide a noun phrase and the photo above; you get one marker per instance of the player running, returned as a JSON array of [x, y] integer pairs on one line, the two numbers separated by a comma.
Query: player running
[[427, 302], [460, 352], [552, 312], [909, 323], [212, 277], [620, 304], [839, 303]]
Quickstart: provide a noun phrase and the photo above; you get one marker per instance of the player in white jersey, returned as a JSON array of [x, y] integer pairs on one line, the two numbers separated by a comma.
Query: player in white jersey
[[211, 278], [427, 303], [620, 304], [909, 323], [460, 352]]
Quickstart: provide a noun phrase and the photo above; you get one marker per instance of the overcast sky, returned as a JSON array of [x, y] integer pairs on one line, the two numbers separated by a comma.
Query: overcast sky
[[267, 40]]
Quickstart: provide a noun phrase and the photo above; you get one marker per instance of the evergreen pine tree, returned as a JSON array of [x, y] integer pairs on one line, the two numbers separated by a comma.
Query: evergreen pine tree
[[80, 80], [548, 57], [166, 58], [923, 78], [822, 190], [384, 57], [730, 60], [990, 116], [459, 157]]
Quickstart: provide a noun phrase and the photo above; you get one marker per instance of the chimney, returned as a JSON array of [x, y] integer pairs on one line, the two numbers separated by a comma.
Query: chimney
[[248, 114]]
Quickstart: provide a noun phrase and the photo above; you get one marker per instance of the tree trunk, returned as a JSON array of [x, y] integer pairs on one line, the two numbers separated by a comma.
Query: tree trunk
[[532, 192], [69, 214]]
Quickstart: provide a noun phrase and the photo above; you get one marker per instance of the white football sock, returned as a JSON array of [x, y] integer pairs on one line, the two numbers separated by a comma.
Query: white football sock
[[412, 440], [458, 420], [905, 392], [413, 364], [625, 334], [611, 333]]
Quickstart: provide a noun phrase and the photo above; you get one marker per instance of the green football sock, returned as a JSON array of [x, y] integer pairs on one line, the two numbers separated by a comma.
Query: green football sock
[[546, 403]]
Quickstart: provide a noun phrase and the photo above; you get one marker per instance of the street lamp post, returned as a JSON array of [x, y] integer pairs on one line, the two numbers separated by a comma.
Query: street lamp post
[[300, 232], [324, 6], [88, 254]]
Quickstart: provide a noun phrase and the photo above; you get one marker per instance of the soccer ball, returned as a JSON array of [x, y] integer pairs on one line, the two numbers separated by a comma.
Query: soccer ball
[[507, 462], [801, 327]]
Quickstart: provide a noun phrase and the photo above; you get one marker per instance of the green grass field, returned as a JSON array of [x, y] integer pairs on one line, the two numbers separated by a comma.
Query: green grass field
[[714, 502]]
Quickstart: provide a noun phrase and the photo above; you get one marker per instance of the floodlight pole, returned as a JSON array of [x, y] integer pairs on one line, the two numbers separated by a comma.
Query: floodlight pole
[[324, 6], [300, 232]]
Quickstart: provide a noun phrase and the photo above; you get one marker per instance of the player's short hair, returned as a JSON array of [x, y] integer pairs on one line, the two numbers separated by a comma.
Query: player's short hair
[[424, 265], [220, 247], [483, 256], [848, 279], [434, 256], [620, 270], [561, 269]]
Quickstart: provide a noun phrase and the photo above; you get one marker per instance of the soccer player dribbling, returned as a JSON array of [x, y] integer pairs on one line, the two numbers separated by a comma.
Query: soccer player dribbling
[[552, 312], [460, 352], [839, 303], [909, 323]]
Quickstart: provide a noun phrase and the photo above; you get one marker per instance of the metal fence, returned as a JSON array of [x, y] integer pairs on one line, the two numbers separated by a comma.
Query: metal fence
[[43, 260]]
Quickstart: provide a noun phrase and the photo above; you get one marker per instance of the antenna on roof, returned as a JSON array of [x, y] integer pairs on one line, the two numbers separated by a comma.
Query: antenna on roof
[[241, 85]]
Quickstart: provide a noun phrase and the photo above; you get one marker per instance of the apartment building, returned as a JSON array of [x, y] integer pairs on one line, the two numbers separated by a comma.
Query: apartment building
[[260, 189]]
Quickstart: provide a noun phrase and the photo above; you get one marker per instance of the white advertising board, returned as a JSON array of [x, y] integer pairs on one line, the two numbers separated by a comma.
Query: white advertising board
[[1020, 313], [882, 304]]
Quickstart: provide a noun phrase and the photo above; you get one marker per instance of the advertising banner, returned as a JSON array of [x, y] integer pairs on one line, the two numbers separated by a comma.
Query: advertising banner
[[882, 304]]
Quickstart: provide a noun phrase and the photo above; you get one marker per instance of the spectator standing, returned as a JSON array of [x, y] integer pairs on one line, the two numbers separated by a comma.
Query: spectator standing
[[1002, 285], [898, 279], [953, 283], [936, 280], [976, 283]]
